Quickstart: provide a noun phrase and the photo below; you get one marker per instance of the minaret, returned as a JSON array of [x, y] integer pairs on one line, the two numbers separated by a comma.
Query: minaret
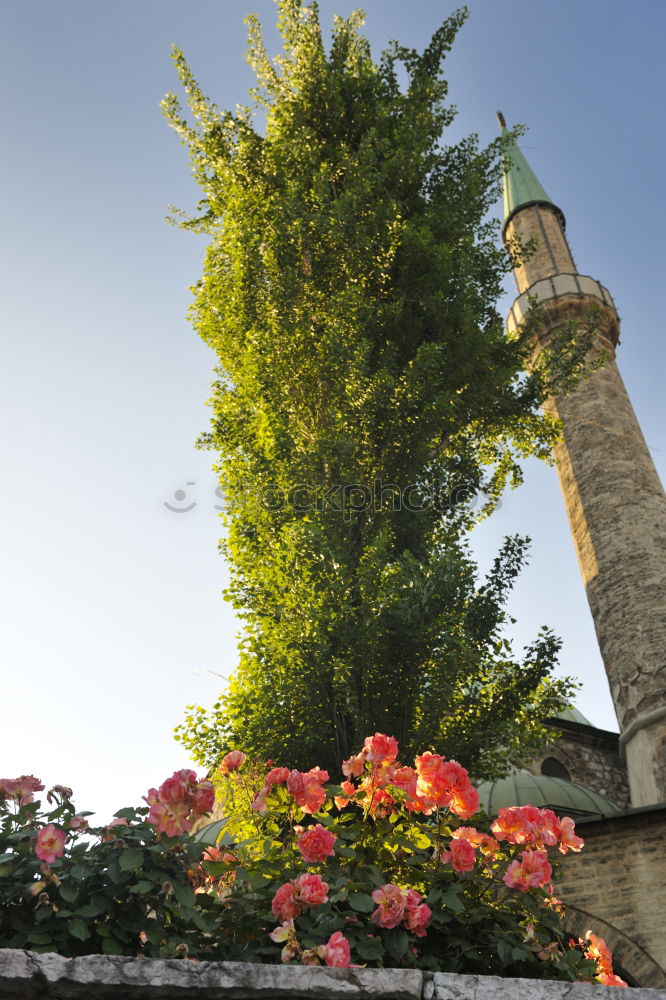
[[614, 500]]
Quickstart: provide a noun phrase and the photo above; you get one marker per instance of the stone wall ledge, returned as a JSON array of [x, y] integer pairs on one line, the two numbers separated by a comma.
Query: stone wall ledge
[[31, 976]]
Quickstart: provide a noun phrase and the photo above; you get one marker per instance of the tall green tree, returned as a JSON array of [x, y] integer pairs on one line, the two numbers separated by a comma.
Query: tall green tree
[[365, 388]]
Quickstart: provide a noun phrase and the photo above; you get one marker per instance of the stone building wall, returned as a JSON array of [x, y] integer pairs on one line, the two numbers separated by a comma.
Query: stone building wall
[[540, 224], [592, 758], [617, 885]]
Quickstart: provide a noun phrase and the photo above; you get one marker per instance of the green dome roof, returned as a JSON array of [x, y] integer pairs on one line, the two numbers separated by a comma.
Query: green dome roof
[[564, 797], [573, 715]]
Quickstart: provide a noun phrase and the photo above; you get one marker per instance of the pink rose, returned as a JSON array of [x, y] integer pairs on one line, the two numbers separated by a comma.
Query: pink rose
[[610, 979], [204, 797], [316, 844], [260, 801], [62, 790], [532, 871], [463, 797], [416, 918], [50, 843], [354, 766], [381, 749], [172, 818], [311, 890], [306, 788], [21, 789], [486, 843], [232, 761], [391, 903], [177, 788], [276, 776], [405, 778], [461, 855], [336, 951], [568, 839], [342, 800], [285, 906], [78, 823]]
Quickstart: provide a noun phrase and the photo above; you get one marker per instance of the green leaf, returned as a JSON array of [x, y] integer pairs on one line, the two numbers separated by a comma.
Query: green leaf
[[452, 901], [78, 929], [361, 902], [130, 859], [210, 834], [68, 891], [40, 937], [94, 908], [396, 943], [520, 954], [370, 948], [504, 950], [142, 887], [183, 894], [111, 946]]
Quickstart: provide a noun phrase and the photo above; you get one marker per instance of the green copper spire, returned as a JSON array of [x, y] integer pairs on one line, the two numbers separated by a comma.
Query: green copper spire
[[520, 184]]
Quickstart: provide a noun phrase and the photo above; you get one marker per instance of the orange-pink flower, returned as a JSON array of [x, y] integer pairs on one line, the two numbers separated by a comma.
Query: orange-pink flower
[[204, 797], [177, 787], [353, 767], [50, 843], [391, 903], [276, 776], [405, 778], [285, 905], [336, 951], [306, 788], [21, 789], [443, 783], [569, 841], [600, 953], [311, 889], [232, 761], [417, 913], [342, 800], [178, 801], [486, 844], [172, 818], [532, 871], [461, 855], [316, 844], [380, 749], [296, 895]]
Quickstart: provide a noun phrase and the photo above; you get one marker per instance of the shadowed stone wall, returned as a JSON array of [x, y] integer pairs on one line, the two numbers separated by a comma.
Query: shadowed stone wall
[[592, 758], [617, 887]]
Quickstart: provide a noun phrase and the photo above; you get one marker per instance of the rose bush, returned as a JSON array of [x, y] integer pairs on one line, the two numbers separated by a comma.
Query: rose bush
[[379, 871]]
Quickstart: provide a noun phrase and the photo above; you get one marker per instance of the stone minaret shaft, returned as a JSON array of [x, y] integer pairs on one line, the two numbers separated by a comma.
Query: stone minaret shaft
[[614, 500]]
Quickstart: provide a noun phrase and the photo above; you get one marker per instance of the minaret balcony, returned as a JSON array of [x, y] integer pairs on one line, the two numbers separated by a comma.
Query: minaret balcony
[[556, 293]]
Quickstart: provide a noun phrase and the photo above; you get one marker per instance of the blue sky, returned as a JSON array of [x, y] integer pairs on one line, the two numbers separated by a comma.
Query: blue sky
[[112, 607]]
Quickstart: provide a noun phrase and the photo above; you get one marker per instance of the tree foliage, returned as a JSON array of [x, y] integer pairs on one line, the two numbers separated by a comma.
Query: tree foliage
[[365, 390]]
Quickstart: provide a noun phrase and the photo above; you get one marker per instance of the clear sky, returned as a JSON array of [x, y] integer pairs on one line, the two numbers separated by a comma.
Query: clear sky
[[112, 614]]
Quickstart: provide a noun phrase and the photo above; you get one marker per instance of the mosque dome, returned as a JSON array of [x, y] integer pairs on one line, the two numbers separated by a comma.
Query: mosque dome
[[565, 798], [573, 715]]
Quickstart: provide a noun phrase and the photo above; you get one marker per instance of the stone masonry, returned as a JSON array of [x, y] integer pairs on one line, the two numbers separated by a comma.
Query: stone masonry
[[30, 976], [592, 758], [615, 504], [617, 887]]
